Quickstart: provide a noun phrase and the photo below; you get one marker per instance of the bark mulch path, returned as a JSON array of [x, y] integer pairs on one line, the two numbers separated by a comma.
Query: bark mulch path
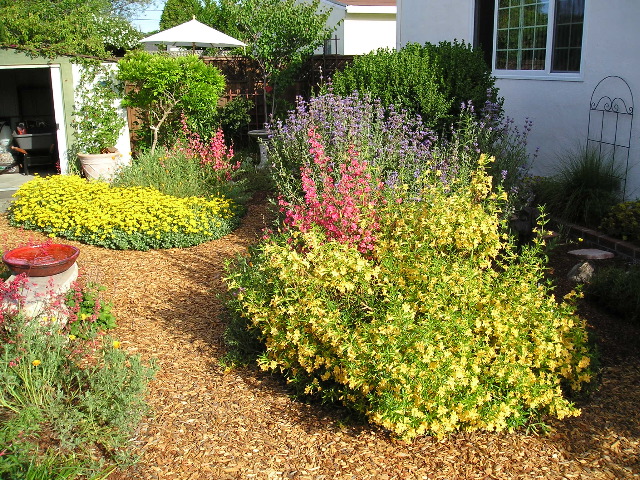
[[212, 423]]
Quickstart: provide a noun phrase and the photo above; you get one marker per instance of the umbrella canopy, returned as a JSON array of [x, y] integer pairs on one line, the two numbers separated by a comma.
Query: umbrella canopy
[[193, 34]]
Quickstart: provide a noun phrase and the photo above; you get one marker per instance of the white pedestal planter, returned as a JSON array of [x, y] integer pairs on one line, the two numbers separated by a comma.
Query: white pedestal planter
[[261, 136], [39, 293]]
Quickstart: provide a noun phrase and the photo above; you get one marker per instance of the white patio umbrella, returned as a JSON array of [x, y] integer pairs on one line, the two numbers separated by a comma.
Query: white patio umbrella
[[193, 34]]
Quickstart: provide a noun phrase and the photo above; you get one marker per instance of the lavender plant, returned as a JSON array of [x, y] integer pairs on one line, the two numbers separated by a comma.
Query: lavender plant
[[395, 145], [489, 132]]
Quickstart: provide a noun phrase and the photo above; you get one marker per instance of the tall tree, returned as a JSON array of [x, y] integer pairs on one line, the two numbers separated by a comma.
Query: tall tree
[[179, 11], [65, 27], [128, 8], [281, 35]]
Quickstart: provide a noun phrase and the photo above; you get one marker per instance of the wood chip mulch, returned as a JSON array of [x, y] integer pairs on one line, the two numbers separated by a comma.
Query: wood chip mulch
[[209, 422]]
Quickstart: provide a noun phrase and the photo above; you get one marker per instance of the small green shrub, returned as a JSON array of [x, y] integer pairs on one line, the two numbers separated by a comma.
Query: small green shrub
[[432, 81], [439, 328], [134, 218], [234, 118], [617, 290], [89, 312], [586, 185], [623, 221]]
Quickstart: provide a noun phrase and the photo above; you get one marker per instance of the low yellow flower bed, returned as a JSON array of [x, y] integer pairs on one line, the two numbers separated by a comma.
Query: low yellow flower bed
[[137, 218]]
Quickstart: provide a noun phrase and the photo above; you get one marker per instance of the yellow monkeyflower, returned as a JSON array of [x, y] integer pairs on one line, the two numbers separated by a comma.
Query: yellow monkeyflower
[[35, 363]]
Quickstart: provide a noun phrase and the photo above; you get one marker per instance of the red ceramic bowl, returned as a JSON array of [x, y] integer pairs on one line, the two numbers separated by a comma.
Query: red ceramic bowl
[[41, 260]]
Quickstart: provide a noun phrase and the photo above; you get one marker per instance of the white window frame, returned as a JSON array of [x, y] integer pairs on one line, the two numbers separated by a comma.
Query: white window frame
[[545, 74]]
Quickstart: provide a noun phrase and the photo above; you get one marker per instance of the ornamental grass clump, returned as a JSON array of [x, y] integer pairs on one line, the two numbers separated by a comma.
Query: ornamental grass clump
[[438, 328], [136, 218]]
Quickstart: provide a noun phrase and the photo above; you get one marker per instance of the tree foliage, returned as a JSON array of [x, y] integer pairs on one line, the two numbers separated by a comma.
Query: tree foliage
[[66, 27], [281, 35], [128, 8], [161, 87], [178, 11]]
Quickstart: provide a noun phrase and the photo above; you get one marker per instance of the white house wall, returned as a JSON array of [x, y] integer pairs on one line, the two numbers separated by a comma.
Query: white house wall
[[559, 109], [364, 33], [434, 20], [360, 29], [336, 20]]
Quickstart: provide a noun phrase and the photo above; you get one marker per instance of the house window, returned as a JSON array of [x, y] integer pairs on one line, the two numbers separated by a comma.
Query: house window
[[538, 36], [567, 39]]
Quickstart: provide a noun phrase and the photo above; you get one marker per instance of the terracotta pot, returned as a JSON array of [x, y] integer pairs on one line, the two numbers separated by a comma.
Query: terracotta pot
[[99, 165]]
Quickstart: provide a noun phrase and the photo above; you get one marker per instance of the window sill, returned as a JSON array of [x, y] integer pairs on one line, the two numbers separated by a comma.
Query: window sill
[[543, 76]]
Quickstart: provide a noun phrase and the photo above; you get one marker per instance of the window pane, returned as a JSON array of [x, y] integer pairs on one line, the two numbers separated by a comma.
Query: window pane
[[501, 60], [573, 62], [514, 17], [575, 39], [561, 59], [514, 39], [521, 35], [541, 37], [527, 60], [567, 41]]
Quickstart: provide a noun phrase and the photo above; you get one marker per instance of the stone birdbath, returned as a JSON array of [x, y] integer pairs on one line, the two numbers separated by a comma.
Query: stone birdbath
[[51, 270]]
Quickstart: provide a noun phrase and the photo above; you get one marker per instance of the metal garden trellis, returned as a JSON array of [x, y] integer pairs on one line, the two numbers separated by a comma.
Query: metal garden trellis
[[611, 121]]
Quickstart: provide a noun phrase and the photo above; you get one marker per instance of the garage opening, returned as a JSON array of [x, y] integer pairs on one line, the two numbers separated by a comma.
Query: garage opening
[[28, 122]]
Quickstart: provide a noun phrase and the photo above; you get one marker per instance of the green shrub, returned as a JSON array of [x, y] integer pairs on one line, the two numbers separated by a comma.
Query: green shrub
[[234, 118], [137, 218], [617, 290], [163, 87], [584, 188], [623, 221], [432, 81], [439, 328]]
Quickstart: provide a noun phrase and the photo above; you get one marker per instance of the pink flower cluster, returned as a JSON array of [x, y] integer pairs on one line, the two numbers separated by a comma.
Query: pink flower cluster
[[343, 202], [214, 154]]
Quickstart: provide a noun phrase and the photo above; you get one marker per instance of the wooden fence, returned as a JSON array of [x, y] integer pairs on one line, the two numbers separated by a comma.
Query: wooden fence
[[243, 79]]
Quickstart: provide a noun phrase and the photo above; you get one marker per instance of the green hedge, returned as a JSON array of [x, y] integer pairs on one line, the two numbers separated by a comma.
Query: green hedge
[[430, 80]]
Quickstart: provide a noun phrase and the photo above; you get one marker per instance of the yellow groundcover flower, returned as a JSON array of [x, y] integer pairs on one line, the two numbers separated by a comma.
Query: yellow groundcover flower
[[96, 213]]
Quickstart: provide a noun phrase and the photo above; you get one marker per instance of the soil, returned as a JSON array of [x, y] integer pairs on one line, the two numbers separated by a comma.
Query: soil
[[212, 422]]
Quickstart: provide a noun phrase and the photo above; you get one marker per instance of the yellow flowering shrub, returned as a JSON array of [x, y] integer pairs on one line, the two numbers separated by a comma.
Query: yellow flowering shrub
[[443, 329], [136, 218]]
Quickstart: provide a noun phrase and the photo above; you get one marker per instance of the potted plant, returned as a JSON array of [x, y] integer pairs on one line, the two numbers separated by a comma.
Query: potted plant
[[97, 122]]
